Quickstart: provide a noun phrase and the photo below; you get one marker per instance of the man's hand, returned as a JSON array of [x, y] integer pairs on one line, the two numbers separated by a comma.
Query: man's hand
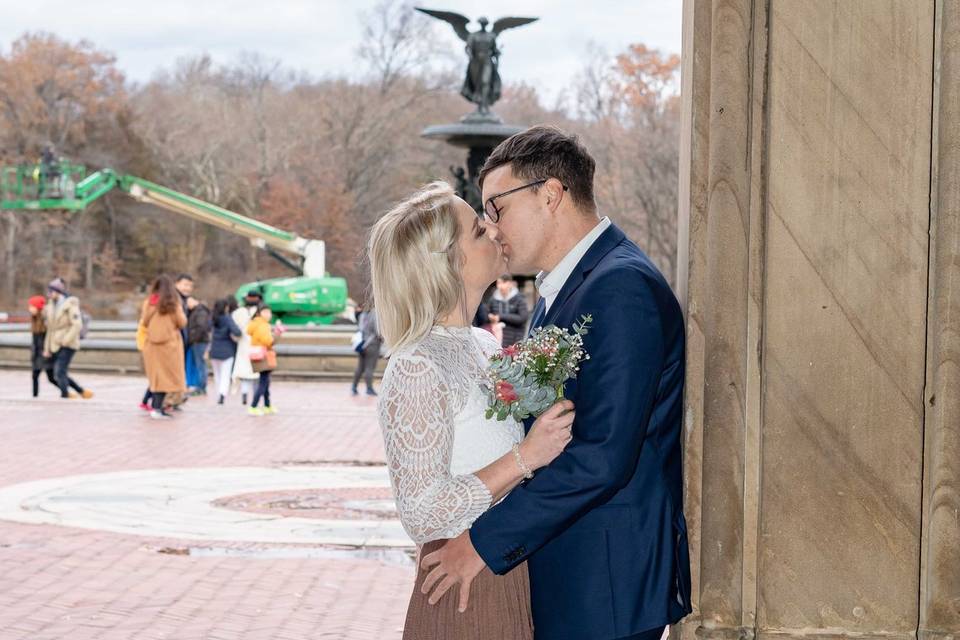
[[494, 318], [456, 562]]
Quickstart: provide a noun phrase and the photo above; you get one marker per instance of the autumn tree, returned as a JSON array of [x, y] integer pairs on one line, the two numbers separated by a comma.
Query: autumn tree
[[629, 112], [70, 95], [323, 157]]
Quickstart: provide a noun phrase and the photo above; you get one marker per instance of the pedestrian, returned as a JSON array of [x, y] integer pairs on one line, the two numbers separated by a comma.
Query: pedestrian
[[243, 373], [64, 325], [38, 331], [223, 345], [184, 286], [507, 307], [263, 358], [481, 319], [198, 341], [368, 351], [163, 354], [146, 402]]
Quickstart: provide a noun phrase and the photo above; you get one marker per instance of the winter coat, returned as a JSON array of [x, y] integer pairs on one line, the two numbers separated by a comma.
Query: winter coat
[[226, 334], [261, 335], [163, 349], [198, 325], [513, 313], [480, 317], [64, 323], [38, 331], [242, 368], [370, 331]]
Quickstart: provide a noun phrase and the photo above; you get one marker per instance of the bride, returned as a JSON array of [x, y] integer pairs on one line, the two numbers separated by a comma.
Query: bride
[[431, 260]]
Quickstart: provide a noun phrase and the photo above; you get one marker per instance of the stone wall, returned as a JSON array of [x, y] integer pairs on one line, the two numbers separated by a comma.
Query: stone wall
[[820, 272]]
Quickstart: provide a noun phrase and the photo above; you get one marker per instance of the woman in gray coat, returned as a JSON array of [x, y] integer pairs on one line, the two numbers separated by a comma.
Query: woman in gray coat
[[368, 351]]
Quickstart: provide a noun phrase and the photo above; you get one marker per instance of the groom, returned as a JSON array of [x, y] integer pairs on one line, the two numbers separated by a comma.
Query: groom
[[602, 527]]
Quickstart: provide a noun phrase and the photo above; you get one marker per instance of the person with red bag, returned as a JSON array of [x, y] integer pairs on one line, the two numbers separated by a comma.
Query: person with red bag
[[38, 330], [263, 358]]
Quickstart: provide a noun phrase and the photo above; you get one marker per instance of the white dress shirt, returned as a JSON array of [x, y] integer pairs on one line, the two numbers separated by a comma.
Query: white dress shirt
[[550, 284]]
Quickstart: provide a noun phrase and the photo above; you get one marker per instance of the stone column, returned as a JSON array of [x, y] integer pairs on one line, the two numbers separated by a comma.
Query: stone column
[[940, 567], [721, 246], [819, 241]]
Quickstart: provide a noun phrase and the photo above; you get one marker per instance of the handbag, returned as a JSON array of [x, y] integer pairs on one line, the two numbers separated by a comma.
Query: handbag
[[356, 341], [257, 353], [268, 363]]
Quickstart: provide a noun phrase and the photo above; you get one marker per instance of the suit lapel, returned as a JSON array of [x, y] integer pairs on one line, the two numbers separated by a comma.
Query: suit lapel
[[603, 245], [539, 312]]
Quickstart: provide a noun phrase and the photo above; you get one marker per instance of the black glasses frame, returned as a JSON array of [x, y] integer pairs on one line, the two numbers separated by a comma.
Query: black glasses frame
[[492, 211]]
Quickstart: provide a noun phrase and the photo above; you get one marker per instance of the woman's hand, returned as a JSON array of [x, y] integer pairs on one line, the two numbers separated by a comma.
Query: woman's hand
[[548, 436]]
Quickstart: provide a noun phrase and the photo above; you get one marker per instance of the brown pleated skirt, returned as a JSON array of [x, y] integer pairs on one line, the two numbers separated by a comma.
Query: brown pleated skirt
[[499, 608]]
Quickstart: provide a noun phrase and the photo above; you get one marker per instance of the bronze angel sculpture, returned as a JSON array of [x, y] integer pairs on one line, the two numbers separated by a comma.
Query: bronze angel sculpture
[[481, 85]]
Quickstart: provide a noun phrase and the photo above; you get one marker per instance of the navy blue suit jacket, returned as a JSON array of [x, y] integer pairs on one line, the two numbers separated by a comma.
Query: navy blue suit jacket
[[602, 527]]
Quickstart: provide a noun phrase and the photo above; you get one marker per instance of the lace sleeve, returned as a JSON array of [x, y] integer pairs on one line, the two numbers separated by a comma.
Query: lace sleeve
[[417, 424], [487, 341]]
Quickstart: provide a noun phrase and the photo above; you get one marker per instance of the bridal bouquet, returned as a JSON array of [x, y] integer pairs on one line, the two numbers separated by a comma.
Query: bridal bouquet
[[527, 378]]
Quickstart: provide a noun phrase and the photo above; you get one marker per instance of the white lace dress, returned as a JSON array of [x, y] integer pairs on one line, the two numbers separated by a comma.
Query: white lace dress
[[436, 437]]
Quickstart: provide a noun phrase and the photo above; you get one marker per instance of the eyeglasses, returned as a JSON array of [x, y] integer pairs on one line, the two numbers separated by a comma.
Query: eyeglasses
[[492, 211]]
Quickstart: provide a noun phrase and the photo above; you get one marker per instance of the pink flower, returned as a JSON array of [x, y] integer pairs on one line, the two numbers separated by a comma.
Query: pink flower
[[511, 351], [505, 392]]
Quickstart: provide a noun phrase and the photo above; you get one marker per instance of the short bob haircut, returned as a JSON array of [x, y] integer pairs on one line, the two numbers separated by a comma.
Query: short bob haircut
[[416, 264]]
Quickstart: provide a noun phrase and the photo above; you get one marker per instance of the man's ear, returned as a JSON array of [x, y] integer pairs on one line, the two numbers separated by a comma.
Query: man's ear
[[553, 189]]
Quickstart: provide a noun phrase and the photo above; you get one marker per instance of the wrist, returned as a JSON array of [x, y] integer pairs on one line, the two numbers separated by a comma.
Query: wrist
[[524, 462]]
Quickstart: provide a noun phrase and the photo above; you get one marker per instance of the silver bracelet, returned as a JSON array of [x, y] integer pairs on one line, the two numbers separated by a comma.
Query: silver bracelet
[[527, 474]]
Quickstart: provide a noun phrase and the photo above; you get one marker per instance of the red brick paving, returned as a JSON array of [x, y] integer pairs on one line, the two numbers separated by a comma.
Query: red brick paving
[[62, 583]]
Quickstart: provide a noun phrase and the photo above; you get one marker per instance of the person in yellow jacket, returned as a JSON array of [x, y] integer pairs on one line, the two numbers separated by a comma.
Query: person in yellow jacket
[[262, 357]]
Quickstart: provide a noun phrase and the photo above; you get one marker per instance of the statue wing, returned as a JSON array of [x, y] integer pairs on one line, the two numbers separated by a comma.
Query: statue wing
[[502, 24], [457, 21]]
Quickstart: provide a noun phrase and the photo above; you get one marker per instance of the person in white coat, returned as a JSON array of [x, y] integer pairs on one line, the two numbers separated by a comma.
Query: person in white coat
[[243, 374]]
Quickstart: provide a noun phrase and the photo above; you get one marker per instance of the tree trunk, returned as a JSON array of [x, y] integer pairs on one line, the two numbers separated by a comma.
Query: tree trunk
[[88, 271], [10, 262]]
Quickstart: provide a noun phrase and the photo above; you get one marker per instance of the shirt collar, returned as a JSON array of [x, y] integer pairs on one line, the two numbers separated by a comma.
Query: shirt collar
[[550, 284]]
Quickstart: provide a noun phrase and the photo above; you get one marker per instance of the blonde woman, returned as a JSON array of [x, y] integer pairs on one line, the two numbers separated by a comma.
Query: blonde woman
[[431, 260]]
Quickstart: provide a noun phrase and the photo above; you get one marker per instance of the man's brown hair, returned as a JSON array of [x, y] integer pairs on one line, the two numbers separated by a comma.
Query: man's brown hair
[[547, 152]]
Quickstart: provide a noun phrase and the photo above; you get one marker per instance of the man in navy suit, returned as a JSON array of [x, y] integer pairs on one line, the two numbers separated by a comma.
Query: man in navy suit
[[601, 527]]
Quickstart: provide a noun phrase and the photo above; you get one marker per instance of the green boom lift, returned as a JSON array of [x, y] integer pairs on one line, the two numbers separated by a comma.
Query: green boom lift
[[312, 297]]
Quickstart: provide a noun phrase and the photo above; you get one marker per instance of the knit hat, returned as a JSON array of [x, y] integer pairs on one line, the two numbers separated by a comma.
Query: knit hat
[[58, 285], [37, 302]]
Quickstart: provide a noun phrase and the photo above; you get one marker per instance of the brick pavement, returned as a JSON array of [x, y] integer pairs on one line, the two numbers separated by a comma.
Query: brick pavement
[[59, 582]]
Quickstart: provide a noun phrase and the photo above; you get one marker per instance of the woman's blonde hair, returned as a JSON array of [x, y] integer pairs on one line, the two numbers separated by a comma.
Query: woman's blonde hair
[[415, 264]]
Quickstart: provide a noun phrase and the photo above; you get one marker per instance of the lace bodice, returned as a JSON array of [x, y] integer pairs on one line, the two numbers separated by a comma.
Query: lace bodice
[[436, 437]]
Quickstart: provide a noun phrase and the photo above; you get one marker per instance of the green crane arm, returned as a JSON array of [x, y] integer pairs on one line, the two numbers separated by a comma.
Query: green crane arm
[[260, 234]]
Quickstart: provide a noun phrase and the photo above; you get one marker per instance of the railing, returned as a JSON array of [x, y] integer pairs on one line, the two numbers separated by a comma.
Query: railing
[[41, 186]]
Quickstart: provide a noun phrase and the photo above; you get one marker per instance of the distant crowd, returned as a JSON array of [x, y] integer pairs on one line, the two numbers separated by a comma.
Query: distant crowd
[[177, 335], [181, 339]]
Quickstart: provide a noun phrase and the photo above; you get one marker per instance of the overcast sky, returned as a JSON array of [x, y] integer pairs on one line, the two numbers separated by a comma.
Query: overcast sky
[[322, 36]]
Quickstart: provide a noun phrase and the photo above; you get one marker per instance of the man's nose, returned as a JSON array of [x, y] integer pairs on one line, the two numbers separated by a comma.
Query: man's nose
[[492, 231]]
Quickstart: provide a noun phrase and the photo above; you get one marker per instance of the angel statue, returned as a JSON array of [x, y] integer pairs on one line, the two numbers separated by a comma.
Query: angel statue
[[482, 83]]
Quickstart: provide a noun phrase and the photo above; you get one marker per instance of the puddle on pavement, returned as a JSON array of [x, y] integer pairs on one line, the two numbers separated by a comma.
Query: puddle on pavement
[[398, 557], [330, 463]]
